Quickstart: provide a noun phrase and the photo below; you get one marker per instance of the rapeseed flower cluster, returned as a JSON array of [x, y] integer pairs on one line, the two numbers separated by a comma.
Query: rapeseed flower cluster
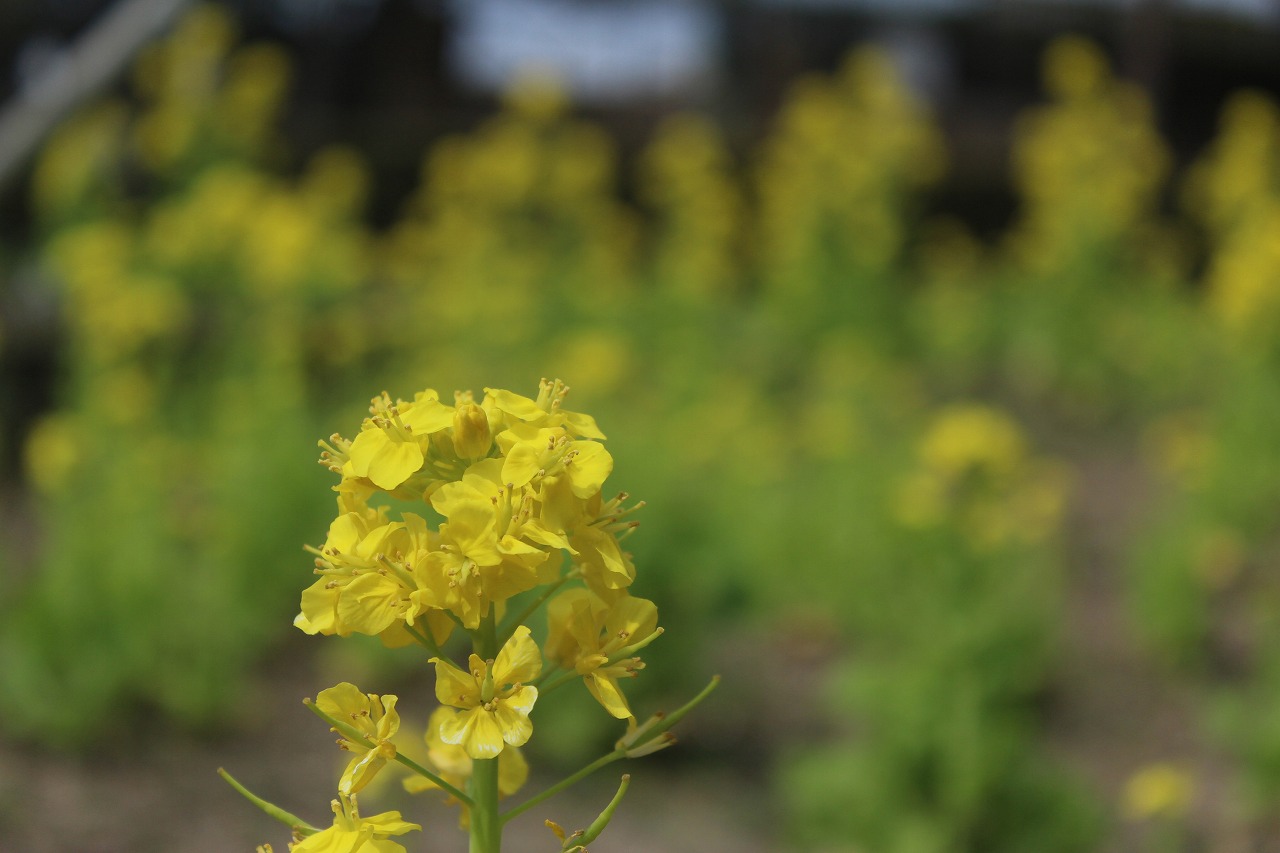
[[835, 175], [975, 471], [512, 487], [1234, 192], [191, 284], [1089, 166]]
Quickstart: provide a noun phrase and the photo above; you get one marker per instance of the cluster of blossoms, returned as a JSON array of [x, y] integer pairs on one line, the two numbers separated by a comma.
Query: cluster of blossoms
[[515, 521]]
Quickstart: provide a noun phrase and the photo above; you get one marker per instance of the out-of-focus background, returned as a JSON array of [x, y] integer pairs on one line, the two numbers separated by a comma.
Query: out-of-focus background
[[941, 338]]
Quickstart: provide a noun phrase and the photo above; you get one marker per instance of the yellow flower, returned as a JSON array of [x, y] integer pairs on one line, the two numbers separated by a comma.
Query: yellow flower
[[354, 547], [391, 445], [375, 717], [1158, 790], [352, 833], [472, 436], [590, 635], [544, 412], [971, 436], [531, 452], [494, 700], [481, 558], [597, 551], [52, 452], [368, 581], [453, 764]]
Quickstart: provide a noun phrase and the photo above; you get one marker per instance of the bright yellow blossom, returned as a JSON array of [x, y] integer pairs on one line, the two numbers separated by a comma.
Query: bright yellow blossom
[[472, 437], [375, 579], [352, 833], [375, 717], [355, 546], [606, 568], [543, 412], [454, 765], [494, 698], [594, 637], [477, 563], [1162, 789]]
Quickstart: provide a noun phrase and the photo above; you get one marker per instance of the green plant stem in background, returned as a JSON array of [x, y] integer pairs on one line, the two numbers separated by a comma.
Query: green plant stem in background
[[598, 825], [635, 743], [425, 640], [512, 624], [291, 820], [602, 761]]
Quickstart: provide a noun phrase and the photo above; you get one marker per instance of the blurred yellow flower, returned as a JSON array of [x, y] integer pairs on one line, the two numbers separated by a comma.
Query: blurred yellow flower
[[81, 152], [975, 470], [1089, 166], [1162, 790], [52, 450], [965, 436]]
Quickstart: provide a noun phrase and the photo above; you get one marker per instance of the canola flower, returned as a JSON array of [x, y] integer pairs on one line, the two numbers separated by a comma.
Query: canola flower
[[1162, 789], [1089, 166], [352, 833], [974, 467], [516, 485]]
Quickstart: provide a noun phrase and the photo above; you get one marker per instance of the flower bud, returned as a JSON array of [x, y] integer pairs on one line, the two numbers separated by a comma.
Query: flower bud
[[472, 437]]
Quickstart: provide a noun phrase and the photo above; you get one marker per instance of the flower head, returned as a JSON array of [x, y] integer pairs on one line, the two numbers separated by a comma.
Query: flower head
[[352, 833], [374, 718], [596, 638], [493, 698], [454, 765]]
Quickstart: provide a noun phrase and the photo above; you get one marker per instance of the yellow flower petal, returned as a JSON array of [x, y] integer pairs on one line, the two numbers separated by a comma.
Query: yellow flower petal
[[371, 603], [476, 731], [427, 415], [386, 460], [342, 701], [582, 425], [520, 701], [360, 771], [519, 661], [455, 687], [522, 462], [608, 695], [521, 408], [319, 610], [589, 467], [513, 722], [637, 617]]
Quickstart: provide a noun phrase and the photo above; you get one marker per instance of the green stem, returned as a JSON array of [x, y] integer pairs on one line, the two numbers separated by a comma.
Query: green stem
[[290, 820], [557, 682], [569, 675], [359, 738], [485, 637], [486, 825], [565, 783], [425, 640], [427, 774], [591, 833], [486, 828]]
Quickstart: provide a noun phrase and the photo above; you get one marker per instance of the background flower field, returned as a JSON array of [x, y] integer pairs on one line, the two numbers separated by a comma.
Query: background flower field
[[979, 528]]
